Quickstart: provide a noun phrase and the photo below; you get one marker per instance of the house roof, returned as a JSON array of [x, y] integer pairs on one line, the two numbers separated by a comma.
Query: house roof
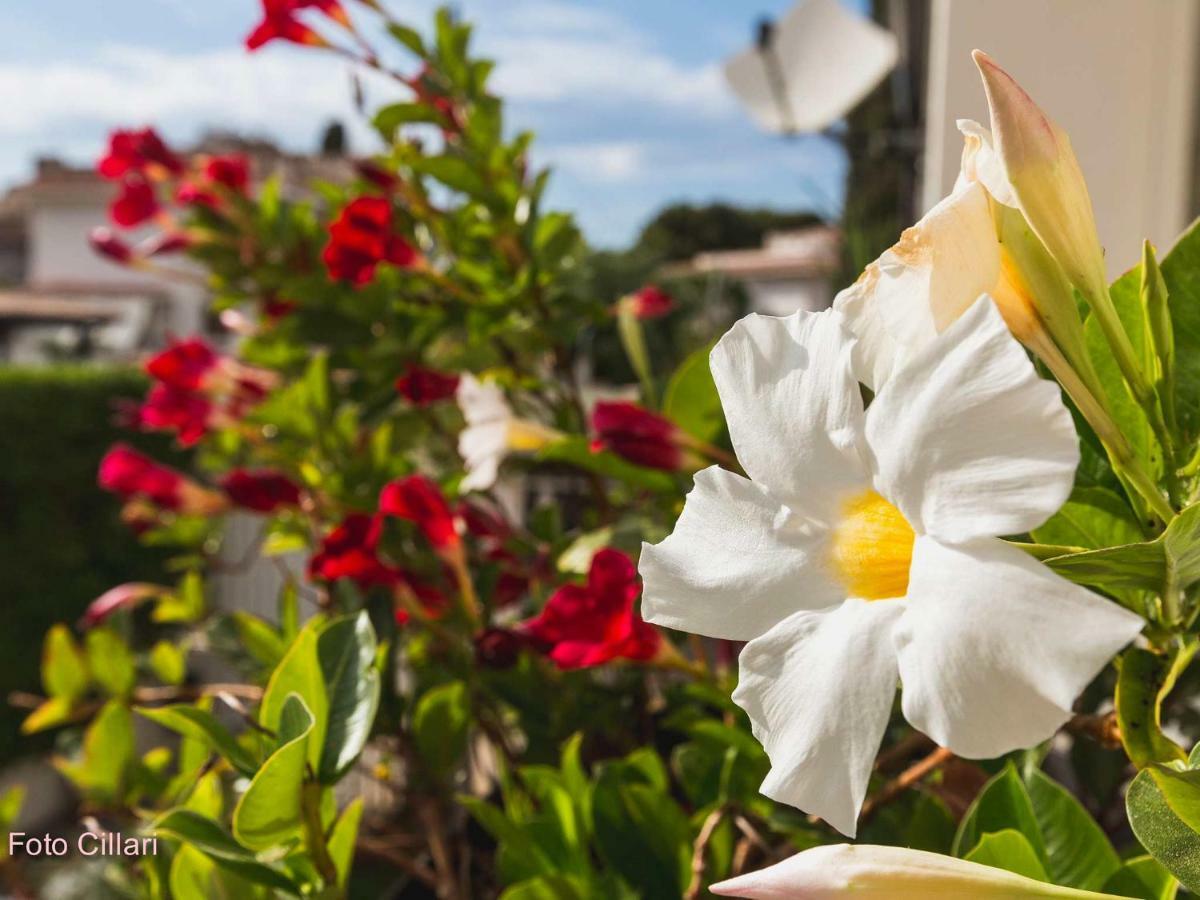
[[805, 253]]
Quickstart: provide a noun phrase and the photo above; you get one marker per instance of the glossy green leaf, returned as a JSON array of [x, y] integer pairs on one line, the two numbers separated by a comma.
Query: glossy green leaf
[[1181, 790], [201, 725], [576, 450], [1078, 854], [268, 814], [209, 838], [168, 662], [261, 641], [1181, 274], [640, 831], [342, 839], [299, 672], [1159, 335], [692, 401], [1009, 850], [1143, 878], [346, 650], [440, 724], [1093, 518], [111, 661], [1161, 832], [64, 667], [1143, 679], [1002, 804]]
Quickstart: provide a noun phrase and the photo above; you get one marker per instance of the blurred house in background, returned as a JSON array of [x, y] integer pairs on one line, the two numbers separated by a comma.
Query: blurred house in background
[[59, 299]]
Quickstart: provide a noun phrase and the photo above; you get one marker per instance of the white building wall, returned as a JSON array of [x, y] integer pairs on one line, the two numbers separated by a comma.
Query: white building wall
[[1118, 75]]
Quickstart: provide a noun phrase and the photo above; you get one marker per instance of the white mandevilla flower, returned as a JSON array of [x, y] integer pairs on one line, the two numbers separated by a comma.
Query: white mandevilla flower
[[493, 431], [863, 547], [868, 872]]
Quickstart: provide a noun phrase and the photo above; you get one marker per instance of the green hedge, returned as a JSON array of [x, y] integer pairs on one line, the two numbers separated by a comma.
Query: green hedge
[[62, 542]]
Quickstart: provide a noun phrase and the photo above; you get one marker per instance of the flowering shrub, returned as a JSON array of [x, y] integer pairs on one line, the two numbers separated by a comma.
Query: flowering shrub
[[470, 691]]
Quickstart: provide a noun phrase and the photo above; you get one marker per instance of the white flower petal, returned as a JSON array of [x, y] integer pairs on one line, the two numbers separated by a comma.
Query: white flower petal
[[792, 404], [981, 162], [737, 563], [869, 872], [994, 647], [483, 448], [921, 286], [818, 688], [968, 440]]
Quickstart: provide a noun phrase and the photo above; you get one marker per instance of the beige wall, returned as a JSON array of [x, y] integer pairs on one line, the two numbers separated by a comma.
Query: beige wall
[[1118, 75]]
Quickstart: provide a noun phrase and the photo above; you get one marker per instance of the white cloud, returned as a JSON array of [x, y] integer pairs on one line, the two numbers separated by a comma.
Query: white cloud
[[608, 161]]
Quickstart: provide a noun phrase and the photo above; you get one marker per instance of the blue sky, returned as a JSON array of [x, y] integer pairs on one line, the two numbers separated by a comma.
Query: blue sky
[[625, 95]]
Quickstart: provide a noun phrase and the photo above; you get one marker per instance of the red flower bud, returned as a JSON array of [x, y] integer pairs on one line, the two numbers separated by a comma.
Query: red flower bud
[[135, 203], [424, 387], [107, 244], [191, 193], [276, 308], [231, 171], [651, 303], [140, 152], [638, 435], [165, 243], [589, 625], [123, 596], [260, 490], [499, 648], [361, 238], [133, 476], [419, 500], [376, 175]]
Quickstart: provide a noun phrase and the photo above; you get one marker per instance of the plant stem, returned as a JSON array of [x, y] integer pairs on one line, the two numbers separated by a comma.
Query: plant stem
[[314, 835]]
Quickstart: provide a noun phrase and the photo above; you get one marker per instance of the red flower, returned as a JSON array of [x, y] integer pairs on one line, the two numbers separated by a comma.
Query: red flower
[[349, 551], [433, 602], [184, 364], [140, 151], [168, 408], [134, 476], [589, 625], [231, 171], [191, 193], [638, 435], [135, 203], [279, 22], [651, 303], [107, 244], [361, 238], [424, 387], [419, 500], [376, 175], [260, 490]]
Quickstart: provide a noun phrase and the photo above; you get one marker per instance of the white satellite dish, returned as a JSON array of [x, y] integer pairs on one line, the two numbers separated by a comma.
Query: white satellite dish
[[812, 67]]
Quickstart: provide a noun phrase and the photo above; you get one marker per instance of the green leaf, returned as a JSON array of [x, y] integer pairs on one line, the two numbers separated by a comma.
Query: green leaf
[[549, 887], [440, 726], [391, 117], [1143, 679], [1003, 803], [1174, 555], [186, 604], [108, 752], [111, 661], [1160, 335], [1181, 790], [577, 558], [201, 725], [1144, 878], [209, 838], [343, 837], [633, 340], [455, 173], [64, 668], [168, 662], [576, 450], [54, 712], [260, 640], [346, 650], [299, 672], [10, 808], [1078, 854], [1093, 518], [1009, 850], [268, 814], [692, 401], [409, 37], [1181, 274], [1161, 832], [640, 831]]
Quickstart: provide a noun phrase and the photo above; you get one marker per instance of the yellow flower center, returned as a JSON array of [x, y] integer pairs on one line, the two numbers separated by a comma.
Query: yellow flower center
[[871, 548]]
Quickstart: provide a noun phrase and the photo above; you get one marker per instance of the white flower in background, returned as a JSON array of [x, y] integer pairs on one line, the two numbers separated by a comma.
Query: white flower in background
[[867, 872], [493, 431], [863, 547]]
